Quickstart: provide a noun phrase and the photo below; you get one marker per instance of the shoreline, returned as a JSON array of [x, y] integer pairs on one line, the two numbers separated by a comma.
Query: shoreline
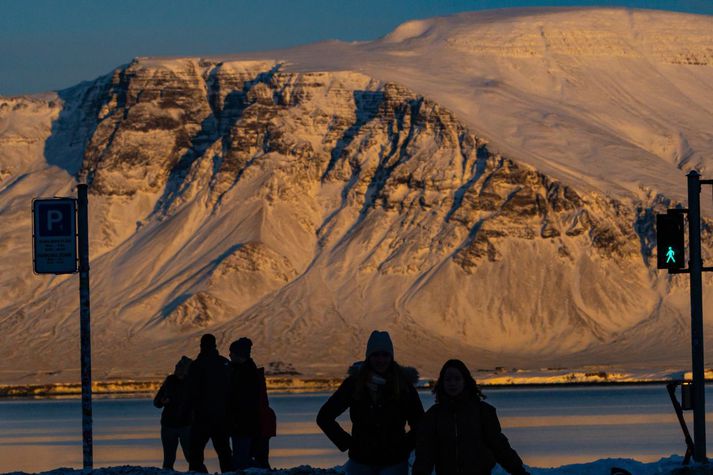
[[282, 385], [133, 387]]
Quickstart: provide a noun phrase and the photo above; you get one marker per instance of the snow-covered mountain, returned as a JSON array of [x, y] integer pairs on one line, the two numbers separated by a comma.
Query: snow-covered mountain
[[482, 186]]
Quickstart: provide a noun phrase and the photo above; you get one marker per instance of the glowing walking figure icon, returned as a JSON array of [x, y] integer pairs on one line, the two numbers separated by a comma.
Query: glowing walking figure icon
[[670, 255]]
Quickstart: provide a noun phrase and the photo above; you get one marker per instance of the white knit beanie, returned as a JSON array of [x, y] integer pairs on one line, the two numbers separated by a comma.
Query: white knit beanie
[[379, 341]]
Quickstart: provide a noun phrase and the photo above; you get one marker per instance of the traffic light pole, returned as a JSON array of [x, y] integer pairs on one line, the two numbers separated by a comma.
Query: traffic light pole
[[696, 270]]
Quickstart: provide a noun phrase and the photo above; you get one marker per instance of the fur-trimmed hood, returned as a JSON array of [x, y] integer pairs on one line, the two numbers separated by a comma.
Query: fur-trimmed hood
[[409, 372]]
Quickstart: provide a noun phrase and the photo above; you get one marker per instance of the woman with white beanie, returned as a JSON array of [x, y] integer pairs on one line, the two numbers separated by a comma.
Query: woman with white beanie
[[382, 399]]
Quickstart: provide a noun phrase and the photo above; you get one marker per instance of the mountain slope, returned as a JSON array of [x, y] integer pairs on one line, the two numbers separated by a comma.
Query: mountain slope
[[306, 208], [565, 90]]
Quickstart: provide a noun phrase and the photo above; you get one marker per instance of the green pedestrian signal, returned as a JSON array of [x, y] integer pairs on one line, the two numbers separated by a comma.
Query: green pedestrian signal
[[670, 255], [670, 241]]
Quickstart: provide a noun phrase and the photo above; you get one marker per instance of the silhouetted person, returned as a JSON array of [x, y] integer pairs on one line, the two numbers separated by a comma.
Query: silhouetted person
[[461, 434], [176, 414], [208, 383], [381, 399], [260, 449], [244, 402]]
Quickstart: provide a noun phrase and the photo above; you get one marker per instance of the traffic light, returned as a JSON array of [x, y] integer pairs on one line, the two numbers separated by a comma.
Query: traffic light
[[669, 241]]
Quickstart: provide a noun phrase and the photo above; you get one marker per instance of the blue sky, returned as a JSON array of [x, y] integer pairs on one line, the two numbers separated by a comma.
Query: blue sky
[[52, 44]]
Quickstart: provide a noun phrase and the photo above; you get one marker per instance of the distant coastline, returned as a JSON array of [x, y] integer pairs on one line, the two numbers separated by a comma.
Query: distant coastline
[[300, 386], [131, 387]]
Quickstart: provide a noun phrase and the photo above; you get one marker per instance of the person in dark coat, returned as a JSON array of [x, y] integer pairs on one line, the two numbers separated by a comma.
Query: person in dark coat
[[260, 448], [176, 416], [461, 434], [244, 402], [381, 399], [208, 383]]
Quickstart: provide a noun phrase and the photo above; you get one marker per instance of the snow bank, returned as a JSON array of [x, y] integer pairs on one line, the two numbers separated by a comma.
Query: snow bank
[[133, 470], [671, 465]]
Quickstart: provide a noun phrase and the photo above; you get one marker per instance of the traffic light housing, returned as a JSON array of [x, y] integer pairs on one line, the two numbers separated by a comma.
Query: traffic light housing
[[669, 241]]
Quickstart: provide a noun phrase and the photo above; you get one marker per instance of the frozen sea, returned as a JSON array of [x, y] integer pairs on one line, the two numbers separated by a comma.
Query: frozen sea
[[549, 427]]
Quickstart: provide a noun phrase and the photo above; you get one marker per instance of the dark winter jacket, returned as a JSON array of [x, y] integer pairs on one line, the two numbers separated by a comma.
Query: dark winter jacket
[[463, 437], [176, 412], [244, 399], [268, 420], [378, 428], [208, 384]]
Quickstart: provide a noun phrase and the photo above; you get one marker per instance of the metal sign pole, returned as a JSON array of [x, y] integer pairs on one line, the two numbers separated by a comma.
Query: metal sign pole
[[696, 269], [85, 334]]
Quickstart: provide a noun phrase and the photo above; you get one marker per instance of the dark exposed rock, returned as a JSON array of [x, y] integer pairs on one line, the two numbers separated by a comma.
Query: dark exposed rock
[[158, 123]]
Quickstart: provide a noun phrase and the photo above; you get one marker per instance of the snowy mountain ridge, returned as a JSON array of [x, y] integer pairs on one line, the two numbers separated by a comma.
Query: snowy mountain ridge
[[304, 203]]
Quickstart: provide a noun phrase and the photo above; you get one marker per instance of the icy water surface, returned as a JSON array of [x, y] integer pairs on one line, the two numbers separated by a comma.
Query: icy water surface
[[547, 426]]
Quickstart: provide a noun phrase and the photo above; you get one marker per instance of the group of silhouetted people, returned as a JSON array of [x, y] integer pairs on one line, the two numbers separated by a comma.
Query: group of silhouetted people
[[213, 398], [225, 401]]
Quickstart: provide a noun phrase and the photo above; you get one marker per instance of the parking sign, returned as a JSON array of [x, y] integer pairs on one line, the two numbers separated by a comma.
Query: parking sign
[[54, 236]]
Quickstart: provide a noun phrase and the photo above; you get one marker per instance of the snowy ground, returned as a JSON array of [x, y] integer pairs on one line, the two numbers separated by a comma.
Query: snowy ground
[[670, 465]]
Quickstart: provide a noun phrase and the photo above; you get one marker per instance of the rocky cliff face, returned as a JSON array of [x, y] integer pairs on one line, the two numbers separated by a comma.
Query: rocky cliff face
[[306, 209]]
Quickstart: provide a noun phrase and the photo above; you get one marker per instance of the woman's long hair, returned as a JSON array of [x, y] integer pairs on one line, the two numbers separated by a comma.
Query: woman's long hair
[[470, 387], [396, 383]]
